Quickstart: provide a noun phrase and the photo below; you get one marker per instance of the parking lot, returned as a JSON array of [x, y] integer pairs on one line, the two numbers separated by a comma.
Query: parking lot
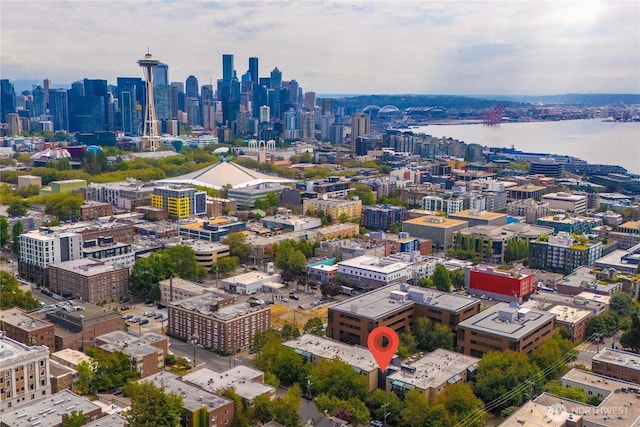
[[140, 318]]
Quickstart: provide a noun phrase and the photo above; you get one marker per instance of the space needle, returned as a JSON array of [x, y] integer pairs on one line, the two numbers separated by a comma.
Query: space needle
[[150, 136]]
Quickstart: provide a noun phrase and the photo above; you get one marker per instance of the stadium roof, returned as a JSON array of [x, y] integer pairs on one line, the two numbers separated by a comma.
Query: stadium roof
[[223, 173]]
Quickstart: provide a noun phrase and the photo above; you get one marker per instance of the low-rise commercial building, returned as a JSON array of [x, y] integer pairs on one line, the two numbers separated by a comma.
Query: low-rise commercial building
[[24, 370], [217, 321], [619, 364], [249, 283], [396, 306], [51, 410], [70, 358], [504, 327], [367, 272], [221, 207], [29, 330], [573, 320], [94, 210], [581, 279], [502, 285], [432, 373], [214, 230], [528, 191], [439, 230], [291, 222], [177, 288], [314, 349], [200, 406]]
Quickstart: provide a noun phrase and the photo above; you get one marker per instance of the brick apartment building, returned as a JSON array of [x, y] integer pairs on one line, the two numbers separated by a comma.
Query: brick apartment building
[[619, 364], [89, 280], [396, 306], [18, 325], [504, 327], [217, 321], [93, 210], [147, 353]]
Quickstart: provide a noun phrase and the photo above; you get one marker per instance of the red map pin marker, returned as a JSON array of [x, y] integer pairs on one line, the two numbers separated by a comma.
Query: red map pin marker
[[383, 351]]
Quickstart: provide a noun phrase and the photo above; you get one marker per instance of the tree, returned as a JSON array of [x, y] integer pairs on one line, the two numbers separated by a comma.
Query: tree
[[430, 335], [547, 357], [238, 246], [351, 410], [289, 331], [507, 375], [343, 218], [16, 231], [285, 408], [457, 279], [85, 378], [185, 263], [442, 278], [151, 406], [225, 265], [338, 379], [4, 231], [12, 296], [631, 338], [622, 304], [110, 370], [74, 419], [604, 324], [383, 405], [240, 416], [363, 191], [415, 409], [17, 208], [314, 326], [459, 402], [64, 206], [555, 387]]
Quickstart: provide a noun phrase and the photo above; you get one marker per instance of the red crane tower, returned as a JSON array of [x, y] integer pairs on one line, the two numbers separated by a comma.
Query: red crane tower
[[493, 116]]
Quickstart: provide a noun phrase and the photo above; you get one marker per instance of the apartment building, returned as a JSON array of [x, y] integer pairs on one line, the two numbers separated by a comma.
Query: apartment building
[[619, 364], [180, 202], [438, 229], [441, 204], [382, 217], [89, 280], [93, 210], [125, 195], [396, 306], [432, 373], [561, 253], [529, 208], [504, 327], [568, 202], [221, 207], [217, 321], [29, 330], [146, 353], [41, 248], [24, 374], [351, 207]]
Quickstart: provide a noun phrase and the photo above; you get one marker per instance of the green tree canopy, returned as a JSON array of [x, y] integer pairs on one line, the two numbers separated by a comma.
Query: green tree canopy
[[338, 379], [110, 370], [442, 278], [12, 296], [63, 206], [314, 326], [4, 231], [415, 410], [363, 191], [238, 246], [506, 373], [16, 231], [631, 338], [383, 404], [74, 419], [151, 406], [17, 208], [622, 304], [240, 416], [430, 335], [460, 403]]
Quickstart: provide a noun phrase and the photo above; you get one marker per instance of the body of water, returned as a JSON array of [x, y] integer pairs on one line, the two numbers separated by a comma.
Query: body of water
[[592, 140]]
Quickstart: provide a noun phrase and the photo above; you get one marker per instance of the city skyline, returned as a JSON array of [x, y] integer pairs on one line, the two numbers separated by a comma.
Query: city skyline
[[472, 48]]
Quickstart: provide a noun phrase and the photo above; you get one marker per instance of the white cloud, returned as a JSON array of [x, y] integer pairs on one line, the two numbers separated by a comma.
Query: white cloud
[[482, 47]]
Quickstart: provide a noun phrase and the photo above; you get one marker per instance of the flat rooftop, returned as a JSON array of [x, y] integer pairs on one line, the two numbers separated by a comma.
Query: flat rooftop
[[435, 369], [567, 314], [564, 196], [74, 357], [478, 214], [251, 277], [112, 420], [20, 319], [88, 267], [184, 284], [619, 358], [325, 348], [379, 302], [240, 378], [538, 414], [193, 396], [11, 349], [203, 303], [48, 410], [507, 321], [436, 221], [375, 264]]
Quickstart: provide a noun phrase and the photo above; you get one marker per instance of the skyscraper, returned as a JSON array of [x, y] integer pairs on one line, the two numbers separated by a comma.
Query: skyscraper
[[276, 78], [253, 69], [208, 108], [39, 104], [59, 109], [191, 87], [309, 100], [265, 114], [360, 126], [227, 67], [7, 99], [161, 75], [130, 93]]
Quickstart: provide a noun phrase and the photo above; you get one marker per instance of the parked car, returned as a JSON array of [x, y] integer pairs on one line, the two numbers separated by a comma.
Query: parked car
[[144, 321], [294, 297], [124, 307], [134, 319], [159, 316], [149, 313]]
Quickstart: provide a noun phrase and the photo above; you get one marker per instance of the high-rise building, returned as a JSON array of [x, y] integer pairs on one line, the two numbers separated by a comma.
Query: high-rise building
[[161, 75], [309, 100], [39, 105], [177, 98], [163, 102], [7, 99], [59, 109], [253, 70], [276, 78], [191, 87], [40, 249], [192, 108], [291, 126], [14, 124], [265, 114], [327, 105], [307, 126], [360, 126], [130, 92], [227, 67], [46, 84], [208, 108]]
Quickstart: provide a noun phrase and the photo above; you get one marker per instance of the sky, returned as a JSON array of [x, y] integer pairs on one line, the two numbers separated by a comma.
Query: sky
[[336, 47]]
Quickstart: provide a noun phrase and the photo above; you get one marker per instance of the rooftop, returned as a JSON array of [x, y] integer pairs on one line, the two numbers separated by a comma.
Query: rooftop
[[387, 299], [127, 343], [538, 414], [204, 303], [252, 277], [435, 369], [112, 420], [240, 378], [507, 321], [436, 221], [75, 357], [325, 348], [12, 349], [47, 410], [564, 196], [18, 318], [372, 263], [567, 314], [193, 396], [618, 357], [476, 213], [88, 267]]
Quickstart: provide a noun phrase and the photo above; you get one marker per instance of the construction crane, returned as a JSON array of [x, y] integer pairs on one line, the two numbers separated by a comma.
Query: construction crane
[[493, 116]]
